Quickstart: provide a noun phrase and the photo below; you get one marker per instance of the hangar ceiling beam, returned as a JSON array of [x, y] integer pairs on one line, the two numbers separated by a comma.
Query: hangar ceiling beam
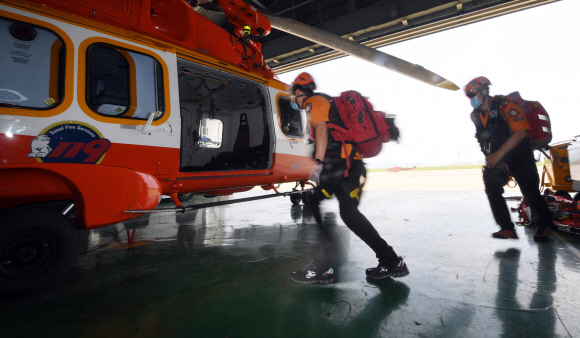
[[419, 24]]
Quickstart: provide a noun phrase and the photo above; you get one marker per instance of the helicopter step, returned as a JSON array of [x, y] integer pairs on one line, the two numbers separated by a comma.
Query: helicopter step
[[183, 209]]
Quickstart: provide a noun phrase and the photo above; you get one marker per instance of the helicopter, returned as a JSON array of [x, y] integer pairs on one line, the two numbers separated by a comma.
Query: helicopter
[[107, 106]]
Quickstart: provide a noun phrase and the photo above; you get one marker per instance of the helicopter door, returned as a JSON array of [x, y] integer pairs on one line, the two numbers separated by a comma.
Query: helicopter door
[[225, 121]]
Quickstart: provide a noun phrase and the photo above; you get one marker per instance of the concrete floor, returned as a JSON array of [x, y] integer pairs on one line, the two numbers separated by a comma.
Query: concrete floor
[[223, 272]]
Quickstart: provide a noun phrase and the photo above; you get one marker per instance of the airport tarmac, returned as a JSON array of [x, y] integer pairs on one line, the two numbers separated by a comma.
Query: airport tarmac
[[223, 272]]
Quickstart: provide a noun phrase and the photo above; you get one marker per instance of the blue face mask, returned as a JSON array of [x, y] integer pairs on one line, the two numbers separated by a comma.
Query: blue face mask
[[475, 102], [294, 105]]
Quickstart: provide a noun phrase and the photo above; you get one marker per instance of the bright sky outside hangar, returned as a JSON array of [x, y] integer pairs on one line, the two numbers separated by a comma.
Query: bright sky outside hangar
[[516, 52]]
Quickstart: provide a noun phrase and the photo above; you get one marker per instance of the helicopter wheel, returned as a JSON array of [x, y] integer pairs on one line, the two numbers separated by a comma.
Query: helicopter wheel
[[36, 249], [185, 197], [306, 196], [295, 198]]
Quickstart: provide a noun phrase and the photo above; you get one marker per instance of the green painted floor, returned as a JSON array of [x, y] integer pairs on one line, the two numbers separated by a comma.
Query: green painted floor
[[223, 272]]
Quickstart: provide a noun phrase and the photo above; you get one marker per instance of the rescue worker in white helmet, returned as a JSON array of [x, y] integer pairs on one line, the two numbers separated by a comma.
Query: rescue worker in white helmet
[[501, 130], [329, 173]]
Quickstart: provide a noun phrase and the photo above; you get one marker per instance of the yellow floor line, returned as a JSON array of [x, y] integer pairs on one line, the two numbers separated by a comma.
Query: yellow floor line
[[566, 243]]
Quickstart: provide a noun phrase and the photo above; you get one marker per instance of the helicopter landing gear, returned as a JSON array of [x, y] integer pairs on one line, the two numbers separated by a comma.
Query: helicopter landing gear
[[185, 197], [302, 196], [296, 198], [306, 196]]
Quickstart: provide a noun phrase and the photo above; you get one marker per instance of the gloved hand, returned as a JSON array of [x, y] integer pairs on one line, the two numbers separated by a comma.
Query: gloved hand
[[315, 173]]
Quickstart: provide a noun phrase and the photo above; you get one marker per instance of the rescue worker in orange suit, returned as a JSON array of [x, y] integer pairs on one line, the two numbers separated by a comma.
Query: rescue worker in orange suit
[[329, 173], [501, 131]]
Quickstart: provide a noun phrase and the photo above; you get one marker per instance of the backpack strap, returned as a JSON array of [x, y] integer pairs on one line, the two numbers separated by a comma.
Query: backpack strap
[[500, 101], [328, 97], [496, 103], [350, 157]]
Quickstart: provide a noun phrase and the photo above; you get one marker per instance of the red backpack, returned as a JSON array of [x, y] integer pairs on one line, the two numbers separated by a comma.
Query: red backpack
[[363, 127], [538, 120]]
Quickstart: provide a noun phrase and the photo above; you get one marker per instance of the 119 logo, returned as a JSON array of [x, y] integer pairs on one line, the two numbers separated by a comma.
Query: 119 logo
[[69, 142]]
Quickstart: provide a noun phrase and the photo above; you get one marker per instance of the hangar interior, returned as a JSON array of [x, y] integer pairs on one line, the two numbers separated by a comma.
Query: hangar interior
[[223, 271], [374, 23]]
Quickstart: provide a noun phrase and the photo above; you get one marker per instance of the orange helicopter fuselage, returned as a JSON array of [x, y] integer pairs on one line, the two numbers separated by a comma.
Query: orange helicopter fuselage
[[111, 104]]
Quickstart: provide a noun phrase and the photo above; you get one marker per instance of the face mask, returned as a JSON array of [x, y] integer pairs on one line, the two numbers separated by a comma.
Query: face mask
[[475, 102], [294, 105]]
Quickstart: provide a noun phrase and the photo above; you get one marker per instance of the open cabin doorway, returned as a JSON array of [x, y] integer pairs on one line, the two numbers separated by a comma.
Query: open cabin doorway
[[224, 121]]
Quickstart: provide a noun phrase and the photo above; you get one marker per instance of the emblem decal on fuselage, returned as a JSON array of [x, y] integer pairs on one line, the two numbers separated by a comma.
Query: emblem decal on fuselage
[[69, 142]]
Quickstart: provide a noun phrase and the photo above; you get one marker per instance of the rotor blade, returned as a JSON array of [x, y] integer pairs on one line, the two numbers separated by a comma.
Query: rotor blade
[[360, 51]]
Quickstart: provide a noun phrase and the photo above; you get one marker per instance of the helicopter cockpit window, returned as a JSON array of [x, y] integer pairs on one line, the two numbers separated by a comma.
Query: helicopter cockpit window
[[291, 120], [123, 83], [225, 123], [32, 63]]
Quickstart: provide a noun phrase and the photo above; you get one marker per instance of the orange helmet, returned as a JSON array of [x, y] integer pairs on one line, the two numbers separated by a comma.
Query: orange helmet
[[303, 81], [476, 85]]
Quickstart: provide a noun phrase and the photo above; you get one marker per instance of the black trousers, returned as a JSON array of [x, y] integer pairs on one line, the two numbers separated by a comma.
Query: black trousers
[[524, 170], [348, 191]]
